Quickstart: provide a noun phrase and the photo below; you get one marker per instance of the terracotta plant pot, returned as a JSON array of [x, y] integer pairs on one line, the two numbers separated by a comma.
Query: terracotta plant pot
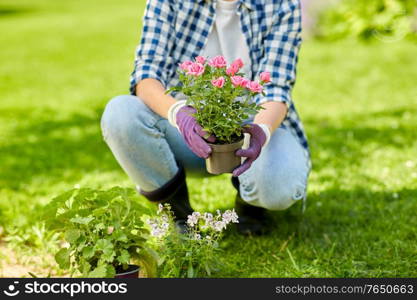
[[222, 158], [131, 272]]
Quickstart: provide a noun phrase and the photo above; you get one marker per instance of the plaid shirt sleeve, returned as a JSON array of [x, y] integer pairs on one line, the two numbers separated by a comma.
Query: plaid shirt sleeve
[[152, 55], [282, 45]]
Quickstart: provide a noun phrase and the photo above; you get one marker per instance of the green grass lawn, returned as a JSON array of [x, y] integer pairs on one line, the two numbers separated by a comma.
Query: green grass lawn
[[61, 61]]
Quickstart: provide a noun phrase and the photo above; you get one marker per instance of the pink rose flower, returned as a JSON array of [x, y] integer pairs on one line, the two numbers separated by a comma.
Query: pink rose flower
[[219, 82], [218, 62], [236, 80], [200, 59], [196, 69], [265, 77], [234, 67], [185, 65], [238, 62], [254, 87], [232, 70], [244, 82]]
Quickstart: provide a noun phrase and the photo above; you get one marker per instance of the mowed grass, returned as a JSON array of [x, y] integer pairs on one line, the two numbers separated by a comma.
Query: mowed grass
[[61, 61]]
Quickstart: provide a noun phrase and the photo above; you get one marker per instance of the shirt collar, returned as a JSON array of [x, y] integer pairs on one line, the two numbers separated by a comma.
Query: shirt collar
[[248, 3]]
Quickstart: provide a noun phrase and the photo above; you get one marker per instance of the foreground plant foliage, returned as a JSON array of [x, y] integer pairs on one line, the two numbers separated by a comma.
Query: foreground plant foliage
[[191, 254], [103, 231]]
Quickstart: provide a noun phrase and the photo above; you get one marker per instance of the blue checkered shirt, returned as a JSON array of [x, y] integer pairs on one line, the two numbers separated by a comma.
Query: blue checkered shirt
[[177, 30]]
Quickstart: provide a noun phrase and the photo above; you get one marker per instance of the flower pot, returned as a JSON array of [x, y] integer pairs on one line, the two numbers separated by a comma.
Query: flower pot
[[132, 271], [222, 158]]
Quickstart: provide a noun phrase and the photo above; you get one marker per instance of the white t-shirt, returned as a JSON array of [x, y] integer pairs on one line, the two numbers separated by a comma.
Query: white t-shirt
[[227, 38]]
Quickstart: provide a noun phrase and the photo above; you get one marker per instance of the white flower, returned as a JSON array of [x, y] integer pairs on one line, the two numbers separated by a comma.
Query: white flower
[[165, 218], [208, 217], [230, 216], [218, 225], [160, 208], [158, 233], [197, 236], [193, 218], [159, 227]]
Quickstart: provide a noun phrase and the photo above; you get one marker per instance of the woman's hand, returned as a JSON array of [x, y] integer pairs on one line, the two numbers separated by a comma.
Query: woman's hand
[[258, 138], [193, 133], [268, 119]]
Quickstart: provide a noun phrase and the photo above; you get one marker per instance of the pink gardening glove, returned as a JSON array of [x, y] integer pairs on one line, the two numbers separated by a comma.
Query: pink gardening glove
[[257, 140], [193, 133]]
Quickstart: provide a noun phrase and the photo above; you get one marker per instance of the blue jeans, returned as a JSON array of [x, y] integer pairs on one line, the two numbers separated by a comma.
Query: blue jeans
[[148, 149]]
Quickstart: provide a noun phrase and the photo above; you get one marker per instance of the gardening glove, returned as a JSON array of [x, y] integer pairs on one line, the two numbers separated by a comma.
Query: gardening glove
[[191, 131], [259, 138]]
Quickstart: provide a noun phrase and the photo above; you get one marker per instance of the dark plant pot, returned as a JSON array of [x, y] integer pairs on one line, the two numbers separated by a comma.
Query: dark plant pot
[[132, 271], [222, 158]]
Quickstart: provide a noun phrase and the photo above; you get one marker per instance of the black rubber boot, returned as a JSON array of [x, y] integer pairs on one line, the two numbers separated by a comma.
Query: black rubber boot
[[252, 219], [175, 193]]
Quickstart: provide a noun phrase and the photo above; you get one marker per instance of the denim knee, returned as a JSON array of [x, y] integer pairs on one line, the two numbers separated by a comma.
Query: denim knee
[[123, 115], [286, 198], [283, 190], [282, 196]]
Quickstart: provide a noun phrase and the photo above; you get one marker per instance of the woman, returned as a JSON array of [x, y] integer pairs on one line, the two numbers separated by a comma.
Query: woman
[[141, 128]]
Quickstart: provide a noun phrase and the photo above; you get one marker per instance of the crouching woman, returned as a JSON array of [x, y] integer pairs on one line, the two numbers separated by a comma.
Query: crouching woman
[[141, 130]]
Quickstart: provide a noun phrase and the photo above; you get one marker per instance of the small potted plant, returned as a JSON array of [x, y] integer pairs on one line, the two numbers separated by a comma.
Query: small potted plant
[[222, 97], [195, 253], [103, 233]]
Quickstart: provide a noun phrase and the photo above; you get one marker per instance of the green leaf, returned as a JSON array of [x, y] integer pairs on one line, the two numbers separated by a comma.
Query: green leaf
[[81, 220], [72, 235], [99, 272], [207, 268], [85, 267], [100, 226], [81, 242], [85, 194], [88, 252], [108, 256], [190, 272], [62, 257], [107, 248], [103, 245], [120, 236], [111, 271], [173, 89], [124, 257]]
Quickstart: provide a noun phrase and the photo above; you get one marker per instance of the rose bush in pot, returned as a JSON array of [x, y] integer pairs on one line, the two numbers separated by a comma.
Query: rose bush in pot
[[103, 233], [222, 99]]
